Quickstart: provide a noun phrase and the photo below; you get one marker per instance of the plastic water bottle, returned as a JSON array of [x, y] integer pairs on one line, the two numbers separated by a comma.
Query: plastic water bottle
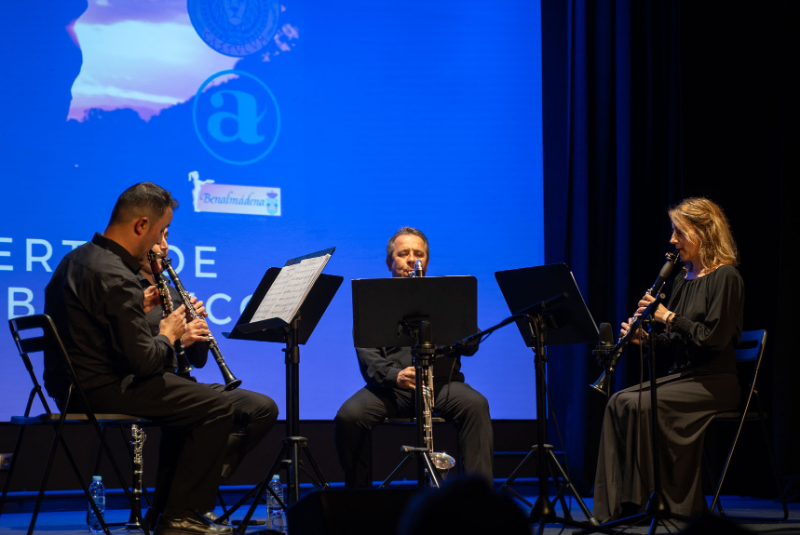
[[276, 518], [98, 492]]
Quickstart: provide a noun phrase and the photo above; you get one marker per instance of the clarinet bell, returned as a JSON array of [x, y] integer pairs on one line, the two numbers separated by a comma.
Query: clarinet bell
[[601, 385], [442, 462]]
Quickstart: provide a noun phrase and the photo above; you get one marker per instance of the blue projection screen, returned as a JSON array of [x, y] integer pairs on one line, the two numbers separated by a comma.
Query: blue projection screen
[[282, 128]]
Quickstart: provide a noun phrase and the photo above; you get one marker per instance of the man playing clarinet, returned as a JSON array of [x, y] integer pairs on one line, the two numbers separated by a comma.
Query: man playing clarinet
[[389, 375], [99, 309], [254, 414]]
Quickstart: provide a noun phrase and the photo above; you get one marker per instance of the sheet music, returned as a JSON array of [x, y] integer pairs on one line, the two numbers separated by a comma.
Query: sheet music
[[290, 289]]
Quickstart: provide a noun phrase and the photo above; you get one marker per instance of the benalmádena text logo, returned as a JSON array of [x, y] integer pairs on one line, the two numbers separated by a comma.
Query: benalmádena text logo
[[207, 196], [236, 117]]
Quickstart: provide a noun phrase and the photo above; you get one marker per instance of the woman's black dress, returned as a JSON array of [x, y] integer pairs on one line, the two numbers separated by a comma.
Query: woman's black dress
[[704, 332]]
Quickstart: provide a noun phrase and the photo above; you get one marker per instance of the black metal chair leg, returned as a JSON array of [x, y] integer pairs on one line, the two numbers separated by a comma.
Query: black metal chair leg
[[221, 501], [47, 468], [368, 445], [773, 463], [99, 456], [82, 483], [7, 484]]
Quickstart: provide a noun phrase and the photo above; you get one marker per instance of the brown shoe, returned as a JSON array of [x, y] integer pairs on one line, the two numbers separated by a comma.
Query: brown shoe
[[213, 517], [190, 523]]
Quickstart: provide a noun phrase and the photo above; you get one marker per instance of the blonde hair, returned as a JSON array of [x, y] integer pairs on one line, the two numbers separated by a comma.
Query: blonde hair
[[703, 220]]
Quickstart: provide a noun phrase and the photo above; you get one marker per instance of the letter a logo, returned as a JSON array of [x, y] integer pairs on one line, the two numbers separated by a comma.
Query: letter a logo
[[245, 118], [236, 117]]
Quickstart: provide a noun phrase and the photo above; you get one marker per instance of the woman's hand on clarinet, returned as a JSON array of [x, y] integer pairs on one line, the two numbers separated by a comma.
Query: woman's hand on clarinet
[[661, 311], [635, 339], [196, 331]]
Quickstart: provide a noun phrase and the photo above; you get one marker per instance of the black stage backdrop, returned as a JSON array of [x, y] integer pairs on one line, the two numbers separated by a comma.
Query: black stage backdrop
[[645, 103]]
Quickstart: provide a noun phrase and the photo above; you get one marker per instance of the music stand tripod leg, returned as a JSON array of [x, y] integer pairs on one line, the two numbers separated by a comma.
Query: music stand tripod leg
[[543, 510], [320, 482], [396, 470], [258, 490], [567, 484], [261, 489], [513, 476], [433, 472]]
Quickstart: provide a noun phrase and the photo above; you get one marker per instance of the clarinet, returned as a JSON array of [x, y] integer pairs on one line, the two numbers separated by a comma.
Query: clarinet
[[655, 290], [231, 382], [613, 354], [137, 441], [184, 368]]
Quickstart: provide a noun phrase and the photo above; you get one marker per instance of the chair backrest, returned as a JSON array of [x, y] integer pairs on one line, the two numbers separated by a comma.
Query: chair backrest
[[751, 346], [750, 349], [35, 343]]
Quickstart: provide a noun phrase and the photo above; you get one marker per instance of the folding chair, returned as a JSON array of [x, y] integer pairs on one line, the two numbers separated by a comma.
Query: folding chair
[[37, 343], [750, 350]]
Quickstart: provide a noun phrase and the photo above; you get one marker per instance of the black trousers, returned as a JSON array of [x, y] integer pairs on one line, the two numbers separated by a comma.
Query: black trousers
[[254, 415], [686, 405], [197, 423], [368, 407]]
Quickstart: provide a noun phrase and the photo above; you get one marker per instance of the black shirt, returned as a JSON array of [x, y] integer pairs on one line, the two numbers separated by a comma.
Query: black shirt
[[95, 300], [709, 314]]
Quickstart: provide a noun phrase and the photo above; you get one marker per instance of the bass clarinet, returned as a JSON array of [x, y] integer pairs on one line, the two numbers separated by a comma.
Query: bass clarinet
[[231, 382], [184, 368], [442, 461]]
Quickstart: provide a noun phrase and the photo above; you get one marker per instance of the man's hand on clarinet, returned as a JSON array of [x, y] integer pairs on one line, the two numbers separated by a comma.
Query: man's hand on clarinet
[[406, 378], [196, 331], [198, 307], [151, 299], [174, 325]]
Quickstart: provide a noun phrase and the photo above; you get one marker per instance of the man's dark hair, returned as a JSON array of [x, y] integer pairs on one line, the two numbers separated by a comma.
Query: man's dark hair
[[142, 199], [405, 231]]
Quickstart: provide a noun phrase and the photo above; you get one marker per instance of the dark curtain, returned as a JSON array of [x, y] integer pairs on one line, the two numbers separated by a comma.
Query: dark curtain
[[636, 117]]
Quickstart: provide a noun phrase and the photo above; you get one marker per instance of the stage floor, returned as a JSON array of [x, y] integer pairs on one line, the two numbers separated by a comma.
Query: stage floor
[[73, 522]]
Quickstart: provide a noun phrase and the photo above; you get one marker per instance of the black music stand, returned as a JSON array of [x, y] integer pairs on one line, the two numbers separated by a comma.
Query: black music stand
[[402, 312], [547, 321], [292, 334]]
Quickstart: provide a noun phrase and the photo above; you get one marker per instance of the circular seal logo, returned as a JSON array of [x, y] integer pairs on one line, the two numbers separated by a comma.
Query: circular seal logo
[[236, 117], [235, 27]]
